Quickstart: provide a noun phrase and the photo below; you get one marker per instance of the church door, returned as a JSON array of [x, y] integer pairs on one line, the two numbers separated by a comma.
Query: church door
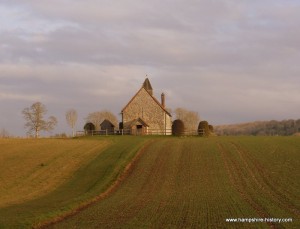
[[139, 129]]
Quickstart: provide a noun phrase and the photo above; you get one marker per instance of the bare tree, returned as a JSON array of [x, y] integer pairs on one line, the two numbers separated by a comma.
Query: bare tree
[[189, 118], [99, 116], [34, 116], [71, 117]]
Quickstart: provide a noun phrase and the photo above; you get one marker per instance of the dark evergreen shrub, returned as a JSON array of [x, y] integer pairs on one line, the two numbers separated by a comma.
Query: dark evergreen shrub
[[89, 127], [203, 128], [178, 127]]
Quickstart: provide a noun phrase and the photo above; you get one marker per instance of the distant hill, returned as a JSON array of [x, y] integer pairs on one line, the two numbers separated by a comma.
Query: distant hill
[[273, 127]]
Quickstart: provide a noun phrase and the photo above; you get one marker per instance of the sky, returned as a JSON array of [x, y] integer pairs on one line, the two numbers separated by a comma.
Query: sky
[[232, 61]]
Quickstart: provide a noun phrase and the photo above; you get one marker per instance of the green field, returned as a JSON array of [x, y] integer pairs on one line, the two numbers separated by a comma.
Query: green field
[[174, 183]]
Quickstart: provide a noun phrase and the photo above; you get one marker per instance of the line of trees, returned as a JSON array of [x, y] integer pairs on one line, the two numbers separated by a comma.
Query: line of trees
[[273, 127], [36, 121]]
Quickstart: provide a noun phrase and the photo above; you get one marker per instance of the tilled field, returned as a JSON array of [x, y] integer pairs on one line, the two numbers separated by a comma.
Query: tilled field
[[200, 182]]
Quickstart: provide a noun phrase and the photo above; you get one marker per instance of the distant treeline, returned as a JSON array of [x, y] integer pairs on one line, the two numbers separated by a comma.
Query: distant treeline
[[273, 127]]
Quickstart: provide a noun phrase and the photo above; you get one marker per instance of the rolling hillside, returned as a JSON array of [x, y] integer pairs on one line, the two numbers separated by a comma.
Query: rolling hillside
[[149, 182], [44, 178], [261, 128], [32, 168]]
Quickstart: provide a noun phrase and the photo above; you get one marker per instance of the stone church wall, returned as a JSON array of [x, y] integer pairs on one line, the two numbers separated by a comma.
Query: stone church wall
[[143, 106]]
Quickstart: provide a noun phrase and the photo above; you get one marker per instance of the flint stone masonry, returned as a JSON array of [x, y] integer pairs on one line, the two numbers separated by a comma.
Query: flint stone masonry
[[144, 106]]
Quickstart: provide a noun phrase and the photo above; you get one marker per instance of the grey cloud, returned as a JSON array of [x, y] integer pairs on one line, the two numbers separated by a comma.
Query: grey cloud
[[200, 33], [231, 61]]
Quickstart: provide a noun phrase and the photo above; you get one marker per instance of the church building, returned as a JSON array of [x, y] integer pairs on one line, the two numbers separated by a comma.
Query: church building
[[144, 114]]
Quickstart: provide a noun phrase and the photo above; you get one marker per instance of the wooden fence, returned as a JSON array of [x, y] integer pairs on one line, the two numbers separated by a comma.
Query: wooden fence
[[94, 132], [138, 132]]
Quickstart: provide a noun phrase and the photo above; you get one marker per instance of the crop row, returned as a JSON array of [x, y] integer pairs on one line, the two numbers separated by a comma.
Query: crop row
[[192, 183]]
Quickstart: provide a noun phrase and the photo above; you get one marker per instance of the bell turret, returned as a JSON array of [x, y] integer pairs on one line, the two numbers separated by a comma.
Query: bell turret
[[147, 86]]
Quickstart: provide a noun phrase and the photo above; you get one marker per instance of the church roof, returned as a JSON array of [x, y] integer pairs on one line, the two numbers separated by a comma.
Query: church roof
[[147, 84]]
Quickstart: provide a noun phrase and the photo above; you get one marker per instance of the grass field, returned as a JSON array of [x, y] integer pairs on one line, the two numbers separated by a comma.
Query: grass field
[[174, 183], [43, 178]]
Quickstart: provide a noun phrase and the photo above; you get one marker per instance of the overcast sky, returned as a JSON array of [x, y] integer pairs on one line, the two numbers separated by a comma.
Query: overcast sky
[[231, 61]]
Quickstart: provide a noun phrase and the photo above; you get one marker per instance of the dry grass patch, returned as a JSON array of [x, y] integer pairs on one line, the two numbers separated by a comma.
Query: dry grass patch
[[31, 168]]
